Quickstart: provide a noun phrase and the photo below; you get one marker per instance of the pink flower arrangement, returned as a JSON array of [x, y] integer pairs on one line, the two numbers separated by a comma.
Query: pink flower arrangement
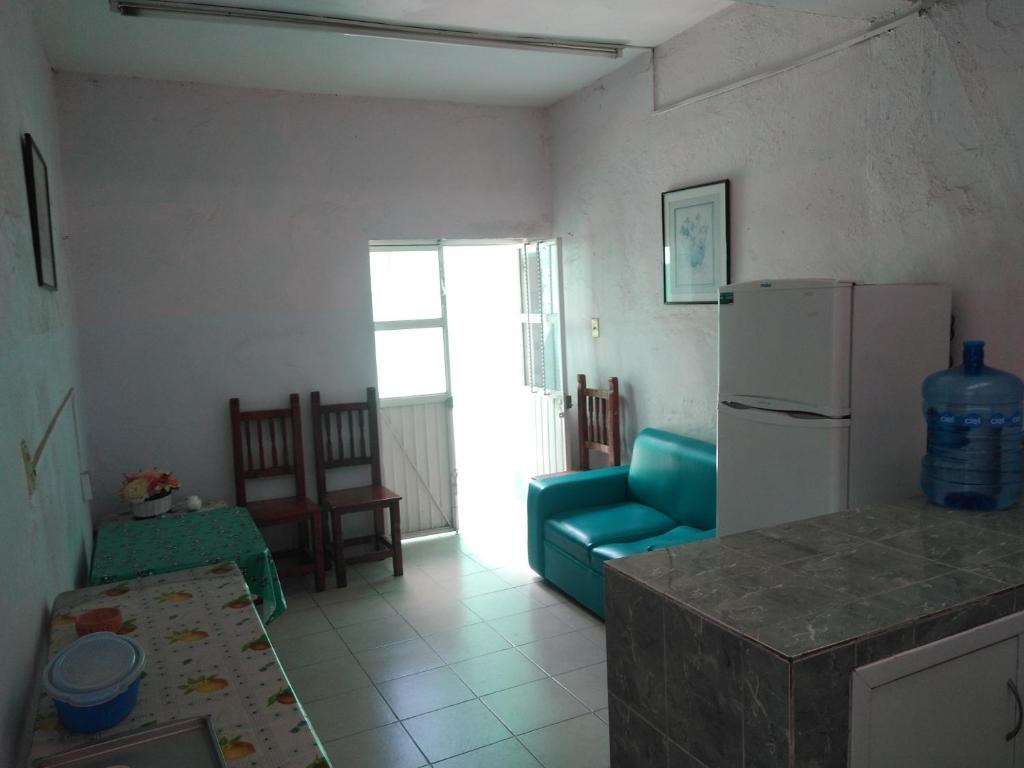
[[149, 484]]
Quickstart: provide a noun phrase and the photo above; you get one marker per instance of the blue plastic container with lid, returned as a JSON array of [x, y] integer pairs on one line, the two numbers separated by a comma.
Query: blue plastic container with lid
[[973, 460], [94, 682]]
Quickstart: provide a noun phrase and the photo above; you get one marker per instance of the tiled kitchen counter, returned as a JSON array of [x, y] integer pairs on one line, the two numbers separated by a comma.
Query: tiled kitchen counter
[[738, 651]]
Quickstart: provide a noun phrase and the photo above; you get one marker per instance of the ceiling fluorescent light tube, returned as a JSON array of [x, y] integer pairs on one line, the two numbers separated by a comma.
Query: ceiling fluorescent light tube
[[368, 28]]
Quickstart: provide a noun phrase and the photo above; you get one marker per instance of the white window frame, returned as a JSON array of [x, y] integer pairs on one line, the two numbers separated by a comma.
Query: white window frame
[[402, 325], [438, 247]]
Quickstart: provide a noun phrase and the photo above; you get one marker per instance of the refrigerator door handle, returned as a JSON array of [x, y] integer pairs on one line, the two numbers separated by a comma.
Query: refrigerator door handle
[[786, 406], [798, 419]]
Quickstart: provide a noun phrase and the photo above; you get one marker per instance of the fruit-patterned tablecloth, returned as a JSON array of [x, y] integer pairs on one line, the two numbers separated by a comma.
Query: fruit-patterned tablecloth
[[133, 548], [207, 653]]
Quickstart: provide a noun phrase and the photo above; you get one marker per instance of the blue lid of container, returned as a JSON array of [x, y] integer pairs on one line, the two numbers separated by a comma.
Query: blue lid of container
[[94, 669]]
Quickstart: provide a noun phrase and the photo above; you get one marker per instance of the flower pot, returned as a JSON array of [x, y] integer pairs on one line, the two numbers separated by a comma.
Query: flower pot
[[151, 507]]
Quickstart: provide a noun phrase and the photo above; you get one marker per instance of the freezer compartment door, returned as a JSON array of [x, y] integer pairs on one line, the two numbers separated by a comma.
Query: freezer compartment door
[[785, 345], [775, 467]]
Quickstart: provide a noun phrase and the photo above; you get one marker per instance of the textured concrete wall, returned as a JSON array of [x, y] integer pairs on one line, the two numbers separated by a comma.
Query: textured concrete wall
[[44, 539], [220, 243], [897, 160]]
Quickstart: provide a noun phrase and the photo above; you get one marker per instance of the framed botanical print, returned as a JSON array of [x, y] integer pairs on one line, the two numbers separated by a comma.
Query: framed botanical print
[[37, 182], [695, 232]]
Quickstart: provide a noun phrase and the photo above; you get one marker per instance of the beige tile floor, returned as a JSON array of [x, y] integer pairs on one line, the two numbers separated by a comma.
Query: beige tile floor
[[467, 660]]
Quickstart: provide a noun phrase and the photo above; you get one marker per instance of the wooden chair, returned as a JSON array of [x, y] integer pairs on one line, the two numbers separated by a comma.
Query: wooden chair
[[598, 421], [268, 443], [347, 435]]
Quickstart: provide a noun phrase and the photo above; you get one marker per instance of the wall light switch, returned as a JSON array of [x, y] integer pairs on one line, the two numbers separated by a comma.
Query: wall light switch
[[595, 327]]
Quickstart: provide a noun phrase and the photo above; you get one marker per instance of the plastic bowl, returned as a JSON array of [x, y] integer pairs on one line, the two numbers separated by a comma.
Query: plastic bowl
[[94, 682], [99, 620], [98, 717]]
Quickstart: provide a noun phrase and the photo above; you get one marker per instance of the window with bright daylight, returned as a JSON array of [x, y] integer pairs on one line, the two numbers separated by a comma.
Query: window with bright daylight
[[409, 320]]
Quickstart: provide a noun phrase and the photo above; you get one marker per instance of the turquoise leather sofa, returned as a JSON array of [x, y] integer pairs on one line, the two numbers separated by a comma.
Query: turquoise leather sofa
[[577, 522]]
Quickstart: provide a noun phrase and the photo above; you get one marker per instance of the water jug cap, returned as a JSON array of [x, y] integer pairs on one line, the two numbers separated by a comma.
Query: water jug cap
[[974, 356]]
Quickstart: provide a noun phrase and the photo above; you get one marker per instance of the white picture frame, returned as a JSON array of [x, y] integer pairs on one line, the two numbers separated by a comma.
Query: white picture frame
[[695, 236]]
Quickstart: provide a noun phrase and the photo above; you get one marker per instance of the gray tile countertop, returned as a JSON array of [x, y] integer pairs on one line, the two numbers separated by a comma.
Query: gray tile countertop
[[802, 587]]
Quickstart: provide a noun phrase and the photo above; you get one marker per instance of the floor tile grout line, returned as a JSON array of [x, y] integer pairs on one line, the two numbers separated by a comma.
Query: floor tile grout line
[[424, 638], [376, 687], [420, 635], [556, 722], [449, 667], [415, 743]]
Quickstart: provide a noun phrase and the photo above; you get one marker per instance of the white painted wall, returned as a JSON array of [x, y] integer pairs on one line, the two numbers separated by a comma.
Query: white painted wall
[[220, 241], [45, 540], [897, 160]]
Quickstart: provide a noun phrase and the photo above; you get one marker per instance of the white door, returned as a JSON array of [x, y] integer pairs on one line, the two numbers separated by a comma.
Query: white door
[[413, 383], [776, 467], [785, 345], [543, 360], [952, 715], [954, 703]]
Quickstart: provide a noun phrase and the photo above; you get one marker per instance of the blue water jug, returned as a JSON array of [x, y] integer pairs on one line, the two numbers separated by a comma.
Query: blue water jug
[[974, 435]]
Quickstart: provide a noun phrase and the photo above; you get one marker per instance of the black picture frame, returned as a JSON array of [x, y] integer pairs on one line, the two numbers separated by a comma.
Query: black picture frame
[[710, 206], [37, 184]]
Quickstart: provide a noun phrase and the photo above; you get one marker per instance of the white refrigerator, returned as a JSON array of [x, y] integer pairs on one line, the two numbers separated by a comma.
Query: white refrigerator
[[820, 395]]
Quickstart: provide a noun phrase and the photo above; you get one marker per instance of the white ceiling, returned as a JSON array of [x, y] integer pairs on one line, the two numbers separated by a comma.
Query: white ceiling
[[86, 36]]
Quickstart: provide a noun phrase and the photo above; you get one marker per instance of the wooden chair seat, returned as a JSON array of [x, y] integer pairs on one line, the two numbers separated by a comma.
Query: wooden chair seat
[[345, 435], [273, 511], [355, 499]]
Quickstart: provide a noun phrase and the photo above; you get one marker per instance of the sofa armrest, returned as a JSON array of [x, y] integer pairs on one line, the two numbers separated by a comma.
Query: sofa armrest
[[559, 493]]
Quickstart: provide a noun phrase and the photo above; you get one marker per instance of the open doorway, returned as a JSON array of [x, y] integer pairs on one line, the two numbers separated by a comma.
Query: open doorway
[[505, 337], [482, 289], [490, 375]]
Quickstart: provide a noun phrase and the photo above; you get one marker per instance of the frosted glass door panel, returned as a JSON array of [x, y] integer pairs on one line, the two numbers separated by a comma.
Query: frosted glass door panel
[[406, 285], [411, 362]]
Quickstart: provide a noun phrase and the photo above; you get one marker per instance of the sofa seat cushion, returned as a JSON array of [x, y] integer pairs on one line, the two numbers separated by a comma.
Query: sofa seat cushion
[[682, 534], [578, 531]]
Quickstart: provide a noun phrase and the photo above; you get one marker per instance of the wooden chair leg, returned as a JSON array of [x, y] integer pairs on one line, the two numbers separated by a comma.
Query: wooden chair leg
[[318, 550], [396, 539], [304, 536], [378, 528], [339, 549]]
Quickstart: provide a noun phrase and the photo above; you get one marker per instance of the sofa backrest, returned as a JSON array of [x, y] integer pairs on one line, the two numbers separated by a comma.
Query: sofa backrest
[[675, 475]]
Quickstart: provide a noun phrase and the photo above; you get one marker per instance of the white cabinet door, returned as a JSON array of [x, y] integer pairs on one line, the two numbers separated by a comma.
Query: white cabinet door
[[944, 705], [785, 345], [774, 467]]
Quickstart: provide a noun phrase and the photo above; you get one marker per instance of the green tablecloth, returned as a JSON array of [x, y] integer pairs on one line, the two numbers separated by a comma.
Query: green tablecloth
[[134, 548]]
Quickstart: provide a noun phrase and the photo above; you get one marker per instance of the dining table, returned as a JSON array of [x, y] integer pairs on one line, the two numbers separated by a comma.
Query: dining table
[[133, 548]]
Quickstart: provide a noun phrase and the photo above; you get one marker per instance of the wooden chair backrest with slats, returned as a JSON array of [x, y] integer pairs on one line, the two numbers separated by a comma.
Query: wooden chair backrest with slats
[[598, 421], [346, 435], [267, 443]]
